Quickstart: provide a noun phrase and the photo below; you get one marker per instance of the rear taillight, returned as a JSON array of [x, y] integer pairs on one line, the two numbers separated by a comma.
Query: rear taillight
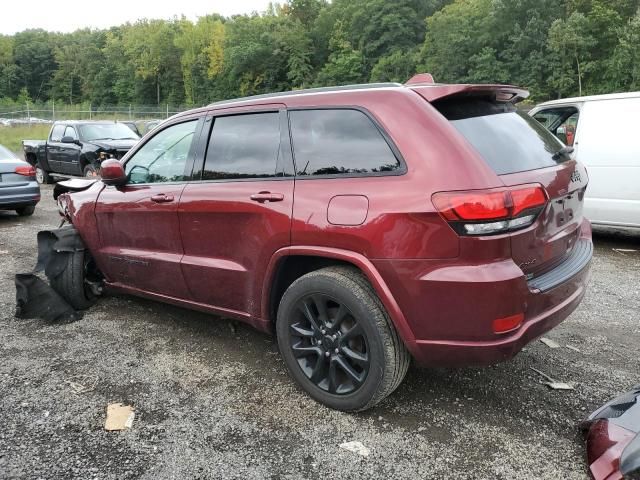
[[27, 171], [486, 212]]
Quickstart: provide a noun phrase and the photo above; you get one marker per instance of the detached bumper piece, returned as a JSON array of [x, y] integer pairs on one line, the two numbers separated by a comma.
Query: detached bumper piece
[[577, 260], [35, 298], [613, 438]]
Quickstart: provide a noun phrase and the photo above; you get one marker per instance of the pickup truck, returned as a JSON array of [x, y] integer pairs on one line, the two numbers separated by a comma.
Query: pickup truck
[[77, 148]]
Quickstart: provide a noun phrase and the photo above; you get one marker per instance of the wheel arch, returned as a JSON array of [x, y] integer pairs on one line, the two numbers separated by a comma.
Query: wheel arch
[[31, 158], [290, 263]]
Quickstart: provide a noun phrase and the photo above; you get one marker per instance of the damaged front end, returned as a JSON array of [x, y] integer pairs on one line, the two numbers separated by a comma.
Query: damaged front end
[[613, 438]]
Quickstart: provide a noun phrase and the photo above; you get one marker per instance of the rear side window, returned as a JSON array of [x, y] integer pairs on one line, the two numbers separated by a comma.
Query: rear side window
[[340, 141], [56, 133], [243, 146], [508, 140]]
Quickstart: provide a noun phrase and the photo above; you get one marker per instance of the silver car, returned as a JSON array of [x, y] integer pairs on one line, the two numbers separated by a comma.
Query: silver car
[[19, 190]]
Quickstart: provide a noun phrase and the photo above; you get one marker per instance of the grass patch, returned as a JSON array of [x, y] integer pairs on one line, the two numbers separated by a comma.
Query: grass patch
[[11, 137]]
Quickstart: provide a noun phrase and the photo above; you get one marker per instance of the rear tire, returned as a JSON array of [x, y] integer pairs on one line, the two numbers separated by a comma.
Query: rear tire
[[71, 285], [343, 370], [26, 211], [42, 176]]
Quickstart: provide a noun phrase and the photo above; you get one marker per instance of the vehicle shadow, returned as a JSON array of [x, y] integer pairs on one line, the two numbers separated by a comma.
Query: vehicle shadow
[[435, 401]]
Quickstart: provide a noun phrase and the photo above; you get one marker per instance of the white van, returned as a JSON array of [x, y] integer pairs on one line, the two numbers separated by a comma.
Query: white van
[[605, 133]]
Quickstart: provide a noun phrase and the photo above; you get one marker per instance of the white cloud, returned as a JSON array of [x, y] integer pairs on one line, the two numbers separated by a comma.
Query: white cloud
[[70, 15]]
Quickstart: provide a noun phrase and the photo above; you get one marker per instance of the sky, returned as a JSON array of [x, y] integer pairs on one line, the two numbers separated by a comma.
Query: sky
[[70, 15]]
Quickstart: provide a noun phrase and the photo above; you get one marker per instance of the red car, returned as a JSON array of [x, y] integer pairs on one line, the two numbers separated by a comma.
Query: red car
[[365, 225]]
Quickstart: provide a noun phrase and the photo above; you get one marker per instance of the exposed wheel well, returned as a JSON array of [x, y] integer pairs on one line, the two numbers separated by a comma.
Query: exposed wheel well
[[290, 269], [31, 158]]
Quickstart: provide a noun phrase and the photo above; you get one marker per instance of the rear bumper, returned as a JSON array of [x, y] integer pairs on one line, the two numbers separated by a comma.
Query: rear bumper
[[450, 309], [19, 196]]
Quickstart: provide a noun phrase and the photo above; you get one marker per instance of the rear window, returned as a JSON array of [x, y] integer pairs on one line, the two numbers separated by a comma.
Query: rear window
[[508, 140], [6, 154]]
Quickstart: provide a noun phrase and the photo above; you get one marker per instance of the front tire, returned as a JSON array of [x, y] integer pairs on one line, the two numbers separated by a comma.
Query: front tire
[[71, 284], [42, 176], [337, 340]]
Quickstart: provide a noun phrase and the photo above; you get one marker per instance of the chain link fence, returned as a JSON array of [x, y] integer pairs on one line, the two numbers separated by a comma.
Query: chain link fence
[[47, 113]]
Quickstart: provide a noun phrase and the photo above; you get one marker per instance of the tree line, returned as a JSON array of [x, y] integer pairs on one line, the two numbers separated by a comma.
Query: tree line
[[556, 48]]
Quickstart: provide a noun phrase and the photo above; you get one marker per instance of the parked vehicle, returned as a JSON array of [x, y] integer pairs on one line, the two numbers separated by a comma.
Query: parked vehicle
[[78, 148], [603, 132], [363, 224], [133, 126], [19, 190], [613, 438], [149, 125]]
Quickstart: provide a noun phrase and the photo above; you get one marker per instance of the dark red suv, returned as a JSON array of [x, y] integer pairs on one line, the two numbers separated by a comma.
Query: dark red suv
[[365, 225]]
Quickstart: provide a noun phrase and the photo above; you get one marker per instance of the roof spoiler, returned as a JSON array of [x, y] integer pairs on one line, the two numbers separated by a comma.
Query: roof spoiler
[[420, 78], [501, 93]]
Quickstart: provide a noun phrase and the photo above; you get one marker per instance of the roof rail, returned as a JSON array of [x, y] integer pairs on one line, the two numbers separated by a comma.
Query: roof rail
[[360, 86]]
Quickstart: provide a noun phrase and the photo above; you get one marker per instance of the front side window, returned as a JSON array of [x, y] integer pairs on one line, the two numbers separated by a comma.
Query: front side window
[[70, 132], [56, 133], [243, 146], [339, 141], [164, 157]]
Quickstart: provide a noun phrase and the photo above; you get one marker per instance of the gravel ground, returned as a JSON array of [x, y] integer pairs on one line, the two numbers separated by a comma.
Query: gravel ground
[[213, 399]]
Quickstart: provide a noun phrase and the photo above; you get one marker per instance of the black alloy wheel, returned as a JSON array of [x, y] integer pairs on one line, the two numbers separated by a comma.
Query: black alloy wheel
[[337, 340], [329, 344]]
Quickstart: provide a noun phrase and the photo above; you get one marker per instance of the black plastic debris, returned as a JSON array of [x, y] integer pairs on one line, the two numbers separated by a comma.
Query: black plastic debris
[[35, 298]]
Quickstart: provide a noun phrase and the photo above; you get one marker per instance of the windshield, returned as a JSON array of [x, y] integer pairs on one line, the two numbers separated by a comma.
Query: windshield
[[6, 153], [106, 131], [508, 140]]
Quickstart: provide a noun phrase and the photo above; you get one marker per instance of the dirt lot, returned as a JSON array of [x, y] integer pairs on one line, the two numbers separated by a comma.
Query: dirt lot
[[213, 400]]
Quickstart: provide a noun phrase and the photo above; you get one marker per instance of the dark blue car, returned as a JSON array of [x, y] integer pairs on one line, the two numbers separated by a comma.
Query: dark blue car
[[19, 189]]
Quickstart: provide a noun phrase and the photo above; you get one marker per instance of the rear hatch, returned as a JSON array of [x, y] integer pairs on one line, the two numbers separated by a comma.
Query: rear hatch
[[524, 155]]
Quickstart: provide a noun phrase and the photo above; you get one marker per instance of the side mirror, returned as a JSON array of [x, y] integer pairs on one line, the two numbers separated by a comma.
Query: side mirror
[[112, 173], [68, 139]]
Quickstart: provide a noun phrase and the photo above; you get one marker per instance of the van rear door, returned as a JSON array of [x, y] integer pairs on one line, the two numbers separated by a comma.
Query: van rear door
[[608, 144]]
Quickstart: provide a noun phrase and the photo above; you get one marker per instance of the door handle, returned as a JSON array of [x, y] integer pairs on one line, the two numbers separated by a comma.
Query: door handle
[[267, 197], [162, 198]]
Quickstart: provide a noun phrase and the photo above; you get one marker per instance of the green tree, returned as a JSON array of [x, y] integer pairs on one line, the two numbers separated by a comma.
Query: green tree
[[571, 43], [150, 47], [345, 64], [397, 66], [8, 69], [454, 35], [625, 62], [35, 62]]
